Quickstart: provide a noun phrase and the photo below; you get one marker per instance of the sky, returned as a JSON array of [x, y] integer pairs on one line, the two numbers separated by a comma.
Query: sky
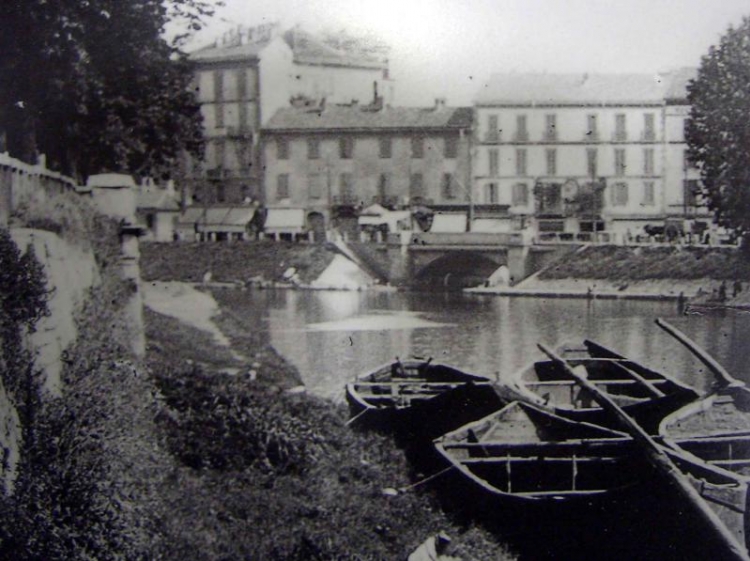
[[449, 48]]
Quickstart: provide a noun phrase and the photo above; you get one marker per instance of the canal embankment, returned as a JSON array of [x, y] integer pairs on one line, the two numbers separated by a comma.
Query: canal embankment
[[695, 274]]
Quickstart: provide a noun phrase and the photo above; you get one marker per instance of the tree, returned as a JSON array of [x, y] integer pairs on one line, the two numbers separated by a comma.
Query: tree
[[95, 86], [718, 131]]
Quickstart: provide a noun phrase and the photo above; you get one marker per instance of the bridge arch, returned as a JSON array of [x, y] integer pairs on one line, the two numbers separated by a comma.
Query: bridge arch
[[458, 269]]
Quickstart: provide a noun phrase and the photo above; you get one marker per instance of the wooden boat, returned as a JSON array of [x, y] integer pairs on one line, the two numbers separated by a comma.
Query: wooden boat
[[523, 453], [716, 500], [419, 398], [715, 430], [646, 395]]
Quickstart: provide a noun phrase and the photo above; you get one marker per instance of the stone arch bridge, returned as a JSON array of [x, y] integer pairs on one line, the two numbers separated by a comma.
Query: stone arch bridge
[[464, 259]]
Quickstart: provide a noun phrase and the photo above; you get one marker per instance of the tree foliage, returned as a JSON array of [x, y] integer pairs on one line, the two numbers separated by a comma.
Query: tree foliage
[[95, 86], [718, 131]]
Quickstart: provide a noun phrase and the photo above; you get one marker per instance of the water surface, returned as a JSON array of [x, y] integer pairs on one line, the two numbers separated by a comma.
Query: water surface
[[331, 337]]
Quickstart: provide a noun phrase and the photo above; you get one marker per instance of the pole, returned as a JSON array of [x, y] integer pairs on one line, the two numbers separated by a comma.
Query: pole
[[725, 379], [659, 459]]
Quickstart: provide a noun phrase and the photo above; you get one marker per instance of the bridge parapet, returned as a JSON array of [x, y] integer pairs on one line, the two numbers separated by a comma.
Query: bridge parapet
[[462, 239]]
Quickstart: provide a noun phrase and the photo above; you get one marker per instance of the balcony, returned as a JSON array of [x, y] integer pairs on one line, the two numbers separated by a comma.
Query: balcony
[[492, 137], [344, 200]]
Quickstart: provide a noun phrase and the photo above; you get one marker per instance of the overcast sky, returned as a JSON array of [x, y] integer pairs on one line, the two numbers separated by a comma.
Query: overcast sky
[[448, 48]]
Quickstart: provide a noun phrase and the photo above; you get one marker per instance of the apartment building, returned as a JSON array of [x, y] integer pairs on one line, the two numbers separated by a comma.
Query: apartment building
[[332, 161], [250, 73], [584, 153]]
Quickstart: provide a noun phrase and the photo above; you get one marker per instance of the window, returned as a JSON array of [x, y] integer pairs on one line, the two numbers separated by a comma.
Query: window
[[218, 85], [490, 194], [220, 153], [282, 186], [620, 131], [219, 115], [521, 161], [448, 187], [346, 187], [494, 160], [451, 147], [315, 185], [591, 127], [386, 147], [313, 148], [686, 163], [619, 194], [282, 148], [493, 130], [649, 132], [551, 161], [648, 161], [550, 132], [620, 162], [221, 192], [384, 186], [241, 77], [416, 185], [522, 134], [346, 148], [591, 161], [648, 193], [417, 147], [520, 194]]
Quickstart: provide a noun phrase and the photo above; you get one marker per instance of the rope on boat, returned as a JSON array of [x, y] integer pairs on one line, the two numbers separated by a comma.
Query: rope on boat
[[357, 416], [425, 480]]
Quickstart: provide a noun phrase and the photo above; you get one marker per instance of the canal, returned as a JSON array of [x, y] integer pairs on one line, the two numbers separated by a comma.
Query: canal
[[331, 337]]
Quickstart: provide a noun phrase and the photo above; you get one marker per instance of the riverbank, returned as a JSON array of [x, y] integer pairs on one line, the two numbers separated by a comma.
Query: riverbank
[[640, 273], [252, 454]]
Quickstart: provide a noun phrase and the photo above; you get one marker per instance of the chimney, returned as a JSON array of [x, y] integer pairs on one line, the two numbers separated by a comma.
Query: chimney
[[439, 103]]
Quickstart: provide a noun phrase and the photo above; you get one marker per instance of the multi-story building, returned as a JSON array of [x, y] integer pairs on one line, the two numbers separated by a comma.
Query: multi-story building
[[576, 154], [242, 80], [331, 160]]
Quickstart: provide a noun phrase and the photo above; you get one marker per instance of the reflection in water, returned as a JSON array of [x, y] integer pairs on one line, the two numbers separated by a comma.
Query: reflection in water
[[332, 337]]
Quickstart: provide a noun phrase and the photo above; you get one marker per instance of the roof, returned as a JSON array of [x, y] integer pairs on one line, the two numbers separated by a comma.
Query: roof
[[306, 49], [110, 180], [339, 117], [159, 199], [580, 89], [677, 84], [449, 222]]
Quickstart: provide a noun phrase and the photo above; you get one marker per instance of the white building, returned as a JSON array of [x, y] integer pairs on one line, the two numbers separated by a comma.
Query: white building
[[575, 154]]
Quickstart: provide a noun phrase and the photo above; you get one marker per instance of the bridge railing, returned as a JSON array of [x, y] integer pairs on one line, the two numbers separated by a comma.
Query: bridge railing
[[466, 238]]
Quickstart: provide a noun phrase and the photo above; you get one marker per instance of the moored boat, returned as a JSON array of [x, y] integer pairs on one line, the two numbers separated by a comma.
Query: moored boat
[[646, 395], [523, 453], [419, 398]]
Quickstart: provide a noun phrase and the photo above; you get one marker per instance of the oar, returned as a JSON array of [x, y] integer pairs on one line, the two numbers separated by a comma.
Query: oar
[[725, 378], [657, 457]]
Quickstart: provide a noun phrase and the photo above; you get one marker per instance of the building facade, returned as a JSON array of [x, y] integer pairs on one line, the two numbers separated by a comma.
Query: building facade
[[245, 77], [334, 161], [578, 154]]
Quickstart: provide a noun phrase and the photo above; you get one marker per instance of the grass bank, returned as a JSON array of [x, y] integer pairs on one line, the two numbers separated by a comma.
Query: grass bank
[[618, 263], [264, 474], [232, 262]]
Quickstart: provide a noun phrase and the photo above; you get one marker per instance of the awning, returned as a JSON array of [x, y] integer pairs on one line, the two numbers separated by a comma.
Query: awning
[[285, 221], [217, 219], [449, 222], [491, 225], [226, 219]]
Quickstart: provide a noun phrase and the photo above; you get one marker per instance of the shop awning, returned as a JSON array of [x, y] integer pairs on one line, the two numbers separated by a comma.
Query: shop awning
[[217, 219], [376, 215], [285, 221], [449, 222]]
